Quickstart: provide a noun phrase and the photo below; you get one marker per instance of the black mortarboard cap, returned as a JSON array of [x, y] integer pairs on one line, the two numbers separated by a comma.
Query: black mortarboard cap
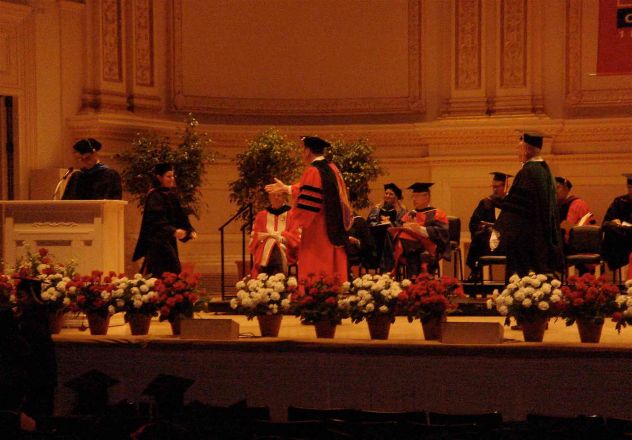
[[502, 177], [396, 189], [88, 145], [564, 181], [168, 386], [315, 144], [93, 382], [629, 177], [162, 168], [419, 187], [91, 392], [532, 138]]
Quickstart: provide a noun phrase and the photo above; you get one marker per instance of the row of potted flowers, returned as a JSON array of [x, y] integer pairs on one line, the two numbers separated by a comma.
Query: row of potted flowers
[[100, 295], [532, 299]]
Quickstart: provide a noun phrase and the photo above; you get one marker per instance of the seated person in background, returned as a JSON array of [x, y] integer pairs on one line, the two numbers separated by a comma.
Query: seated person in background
[[274, 238], [361, 247], [94, 181], [573, 210], [390, 210], [481, 223], [423, 239], [617, 226]]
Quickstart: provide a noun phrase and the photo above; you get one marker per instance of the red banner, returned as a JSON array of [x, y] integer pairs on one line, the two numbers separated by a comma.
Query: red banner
[[614, 53]]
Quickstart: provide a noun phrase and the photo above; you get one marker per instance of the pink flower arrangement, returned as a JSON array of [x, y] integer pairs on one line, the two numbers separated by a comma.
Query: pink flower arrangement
[[427, 297], [317, 300], [178, 295]]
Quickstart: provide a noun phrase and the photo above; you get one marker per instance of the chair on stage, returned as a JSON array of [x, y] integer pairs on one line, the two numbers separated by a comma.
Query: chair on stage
[[454, 228], [490, 261], [584, 246]]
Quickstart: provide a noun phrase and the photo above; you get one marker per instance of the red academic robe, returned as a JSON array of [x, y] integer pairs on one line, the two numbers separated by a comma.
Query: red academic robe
[[273, 229], [316, 254]]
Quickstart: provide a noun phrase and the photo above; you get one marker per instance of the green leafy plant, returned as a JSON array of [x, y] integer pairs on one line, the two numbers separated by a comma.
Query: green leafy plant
[[358, 167], [268, 155], [189, 157]]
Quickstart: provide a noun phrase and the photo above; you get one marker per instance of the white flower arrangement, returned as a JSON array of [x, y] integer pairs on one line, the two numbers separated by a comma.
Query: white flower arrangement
[[135, 295], [529, 297], [263, 295], [370, 296]]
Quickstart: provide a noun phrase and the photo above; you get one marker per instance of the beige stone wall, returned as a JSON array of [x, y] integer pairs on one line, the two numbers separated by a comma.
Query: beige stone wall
[[439, 86]]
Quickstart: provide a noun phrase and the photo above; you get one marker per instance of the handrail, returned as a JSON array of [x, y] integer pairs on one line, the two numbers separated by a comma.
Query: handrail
[[247, 225]]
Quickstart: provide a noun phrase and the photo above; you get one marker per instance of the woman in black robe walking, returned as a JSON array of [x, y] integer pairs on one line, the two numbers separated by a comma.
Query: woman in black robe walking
[[164, 222]]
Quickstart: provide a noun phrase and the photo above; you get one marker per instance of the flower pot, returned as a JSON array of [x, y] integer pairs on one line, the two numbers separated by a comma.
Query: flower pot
[[56, 320], [269, 325], [533, 331], [325, 329], [139, 323], [432, 328], [589, 331], [176, 324], [379, 326], [98, 323]]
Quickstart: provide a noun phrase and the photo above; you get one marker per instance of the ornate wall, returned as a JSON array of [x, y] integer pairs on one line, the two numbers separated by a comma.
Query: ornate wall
[[440, 87]]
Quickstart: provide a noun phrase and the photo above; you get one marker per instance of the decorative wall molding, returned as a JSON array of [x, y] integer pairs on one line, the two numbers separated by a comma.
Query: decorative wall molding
[[468, 48], [513, 43], [224, 105], [111, 23], [143, 21]]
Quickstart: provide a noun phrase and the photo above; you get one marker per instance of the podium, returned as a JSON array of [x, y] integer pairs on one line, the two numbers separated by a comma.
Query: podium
[[91, 232]]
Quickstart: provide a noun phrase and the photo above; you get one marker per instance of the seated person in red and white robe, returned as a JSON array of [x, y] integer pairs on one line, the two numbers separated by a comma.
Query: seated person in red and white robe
[[573, 210], [274, 239], [423, 239]]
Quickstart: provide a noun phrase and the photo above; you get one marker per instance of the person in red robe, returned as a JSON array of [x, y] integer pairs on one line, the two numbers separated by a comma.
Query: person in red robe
[[423, 239], [320, 208], [274, 239]]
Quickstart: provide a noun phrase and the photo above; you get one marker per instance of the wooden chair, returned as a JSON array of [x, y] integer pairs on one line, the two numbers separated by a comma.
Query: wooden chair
[[584, 246], [454, 228]]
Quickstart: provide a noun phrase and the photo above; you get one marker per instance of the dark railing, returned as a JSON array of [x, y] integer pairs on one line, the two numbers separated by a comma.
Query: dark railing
[[245, 228]]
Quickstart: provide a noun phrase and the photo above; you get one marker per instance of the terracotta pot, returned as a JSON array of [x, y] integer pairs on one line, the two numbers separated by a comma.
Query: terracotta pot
[[533, 331], [176, 325], [139, 323], [98, 323], [432, 328], [588, 330], [379, 326], [269, 325], [56, 321], [325, 329]]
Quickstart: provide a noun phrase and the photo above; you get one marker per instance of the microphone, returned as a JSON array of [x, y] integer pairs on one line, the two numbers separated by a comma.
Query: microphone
[[68, 173]]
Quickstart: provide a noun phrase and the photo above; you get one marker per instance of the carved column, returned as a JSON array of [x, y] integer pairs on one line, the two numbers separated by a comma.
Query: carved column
[[105, 88], [467, 85], [517, 80], [144, 93]]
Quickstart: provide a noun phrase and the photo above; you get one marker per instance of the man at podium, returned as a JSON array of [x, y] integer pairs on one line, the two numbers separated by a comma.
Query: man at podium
[[94, 181]]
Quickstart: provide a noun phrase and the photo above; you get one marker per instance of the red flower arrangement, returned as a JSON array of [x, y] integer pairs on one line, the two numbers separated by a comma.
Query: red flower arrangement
[[318, 300], [178, 295], [589, 298], [427, 297], [7, 291], [94, 293]]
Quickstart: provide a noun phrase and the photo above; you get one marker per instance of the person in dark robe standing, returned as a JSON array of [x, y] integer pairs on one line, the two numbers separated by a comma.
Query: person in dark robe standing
[[529, 221], [481, 223], [321, 209], [94, 180], [422, 240], [164, 223], [617, 226]]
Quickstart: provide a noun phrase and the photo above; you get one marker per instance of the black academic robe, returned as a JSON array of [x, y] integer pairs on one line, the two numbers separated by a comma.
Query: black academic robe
[[162, 215], [529, 222], [480, 229], [617, 240], [97, 183], [379, 211], [364, 253]]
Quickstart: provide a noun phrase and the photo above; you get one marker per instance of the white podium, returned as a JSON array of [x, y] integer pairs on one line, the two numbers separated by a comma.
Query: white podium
[[88, 231]]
